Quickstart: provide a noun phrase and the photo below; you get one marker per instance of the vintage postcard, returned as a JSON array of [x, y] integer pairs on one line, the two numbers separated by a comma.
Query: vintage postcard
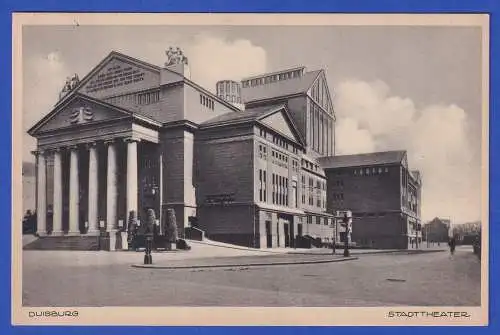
[[250, 169]]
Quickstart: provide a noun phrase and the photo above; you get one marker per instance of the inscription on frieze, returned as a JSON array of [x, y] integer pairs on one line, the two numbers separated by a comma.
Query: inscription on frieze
[[115, 76]]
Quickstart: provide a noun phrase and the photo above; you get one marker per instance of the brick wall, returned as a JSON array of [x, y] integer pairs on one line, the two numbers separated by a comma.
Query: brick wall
[[366, 193], [225, 167]]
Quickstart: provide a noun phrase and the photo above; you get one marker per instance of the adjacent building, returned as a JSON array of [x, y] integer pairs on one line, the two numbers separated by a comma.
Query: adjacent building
[[437, 230], [383, 195]]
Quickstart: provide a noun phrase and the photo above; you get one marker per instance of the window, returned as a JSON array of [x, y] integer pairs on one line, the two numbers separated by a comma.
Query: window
[[207, 102], [260, 186], [147, 98], [311, 188], [318, 193], [303, 186], [286, 191], [264, 185]]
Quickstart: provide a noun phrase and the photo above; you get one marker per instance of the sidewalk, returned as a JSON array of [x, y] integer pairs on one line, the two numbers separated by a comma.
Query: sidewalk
[[318, 251], [243, 262]]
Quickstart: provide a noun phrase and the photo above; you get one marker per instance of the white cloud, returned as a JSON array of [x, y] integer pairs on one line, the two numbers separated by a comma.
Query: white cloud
[[435, 136], [43, 78], [214, 58], [351, 139]]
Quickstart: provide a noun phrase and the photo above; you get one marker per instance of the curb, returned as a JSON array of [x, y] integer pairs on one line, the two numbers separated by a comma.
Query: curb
[[166, 267], [385, 252]]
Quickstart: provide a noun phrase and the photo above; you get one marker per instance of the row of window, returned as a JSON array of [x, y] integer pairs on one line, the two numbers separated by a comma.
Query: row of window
[[319, 192], [278, 140], [338, 196], [144, 98], [262, 185], [148, 98], [280, 190], [370, 171], [339, 183], [310, 166], [207, 102], [272, 78], [231, 98], [318, 220], [228, 87], [366, 214]]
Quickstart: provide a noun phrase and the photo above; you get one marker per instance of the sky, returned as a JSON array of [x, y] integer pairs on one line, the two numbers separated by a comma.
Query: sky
[[395, 88]]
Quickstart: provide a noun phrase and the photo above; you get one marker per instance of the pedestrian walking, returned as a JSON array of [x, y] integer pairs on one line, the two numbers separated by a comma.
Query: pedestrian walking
[[452, 244]]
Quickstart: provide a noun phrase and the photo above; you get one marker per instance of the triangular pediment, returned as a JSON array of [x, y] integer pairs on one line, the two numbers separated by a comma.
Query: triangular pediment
[[119, 74], [78, 110], [281, 122]]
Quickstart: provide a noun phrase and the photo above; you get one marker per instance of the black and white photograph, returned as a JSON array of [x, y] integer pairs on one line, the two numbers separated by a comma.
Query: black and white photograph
[[235, 161]]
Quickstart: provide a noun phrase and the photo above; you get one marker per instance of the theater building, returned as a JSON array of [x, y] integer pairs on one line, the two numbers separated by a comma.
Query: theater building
[[131, 136], [383, 194]]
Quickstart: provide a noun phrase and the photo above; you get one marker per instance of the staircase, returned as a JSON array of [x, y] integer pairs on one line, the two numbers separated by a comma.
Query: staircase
[[64, 243]]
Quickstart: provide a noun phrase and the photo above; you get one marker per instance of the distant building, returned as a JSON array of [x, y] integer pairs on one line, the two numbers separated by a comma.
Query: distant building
[[437, 230], [383, 194]]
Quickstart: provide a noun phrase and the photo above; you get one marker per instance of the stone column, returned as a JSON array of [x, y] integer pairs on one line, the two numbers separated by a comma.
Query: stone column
[[41, 206], [132, 178], [93, 203], [112, 192], [58, 194], [74, 193]]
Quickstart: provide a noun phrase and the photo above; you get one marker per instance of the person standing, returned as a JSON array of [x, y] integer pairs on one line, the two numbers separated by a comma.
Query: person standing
[[452, 244]]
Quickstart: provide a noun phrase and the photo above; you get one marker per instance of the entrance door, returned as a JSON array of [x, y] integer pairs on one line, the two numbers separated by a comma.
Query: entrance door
[[299, 229], [269, 237], [286, 227]]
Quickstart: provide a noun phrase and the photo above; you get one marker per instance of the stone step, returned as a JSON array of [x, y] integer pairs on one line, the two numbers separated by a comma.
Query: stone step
[[64, 243]]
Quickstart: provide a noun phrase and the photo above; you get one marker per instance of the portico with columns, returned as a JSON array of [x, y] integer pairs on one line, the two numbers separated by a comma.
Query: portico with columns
[[88, 170]]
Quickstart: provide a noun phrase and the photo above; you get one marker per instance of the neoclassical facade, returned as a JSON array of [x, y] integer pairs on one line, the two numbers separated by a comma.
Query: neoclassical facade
[[130, 136]]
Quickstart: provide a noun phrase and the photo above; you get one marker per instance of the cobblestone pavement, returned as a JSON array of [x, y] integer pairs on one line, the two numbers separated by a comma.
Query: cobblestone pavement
[[80, 279]]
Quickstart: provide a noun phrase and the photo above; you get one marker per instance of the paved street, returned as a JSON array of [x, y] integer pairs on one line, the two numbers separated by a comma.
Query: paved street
[[107, 279]]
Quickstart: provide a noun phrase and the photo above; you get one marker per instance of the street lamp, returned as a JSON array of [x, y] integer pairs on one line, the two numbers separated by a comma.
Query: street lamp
[[335, 230], [346, 238]]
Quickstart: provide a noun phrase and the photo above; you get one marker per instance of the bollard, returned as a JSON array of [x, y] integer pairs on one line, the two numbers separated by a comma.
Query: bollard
[[148, 258]]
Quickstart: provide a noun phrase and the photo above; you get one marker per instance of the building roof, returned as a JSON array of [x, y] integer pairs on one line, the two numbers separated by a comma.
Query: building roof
[[280, 88], [249, 115], [374, 158]]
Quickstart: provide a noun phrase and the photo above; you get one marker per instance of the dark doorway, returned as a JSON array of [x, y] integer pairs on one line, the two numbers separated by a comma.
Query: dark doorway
[[278, 233], [299, 229], [269, 237], [286, 227]]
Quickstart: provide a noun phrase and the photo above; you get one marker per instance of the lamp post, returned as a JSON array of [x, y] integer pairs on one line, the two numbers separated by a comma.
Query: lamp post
[[346, 240], [335, 229]]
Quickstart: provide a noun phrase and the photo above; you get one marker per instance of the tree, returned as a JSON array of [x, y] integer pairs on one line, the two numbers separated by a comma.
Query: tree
[[170, 228], [131, 228], [150, 221]]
